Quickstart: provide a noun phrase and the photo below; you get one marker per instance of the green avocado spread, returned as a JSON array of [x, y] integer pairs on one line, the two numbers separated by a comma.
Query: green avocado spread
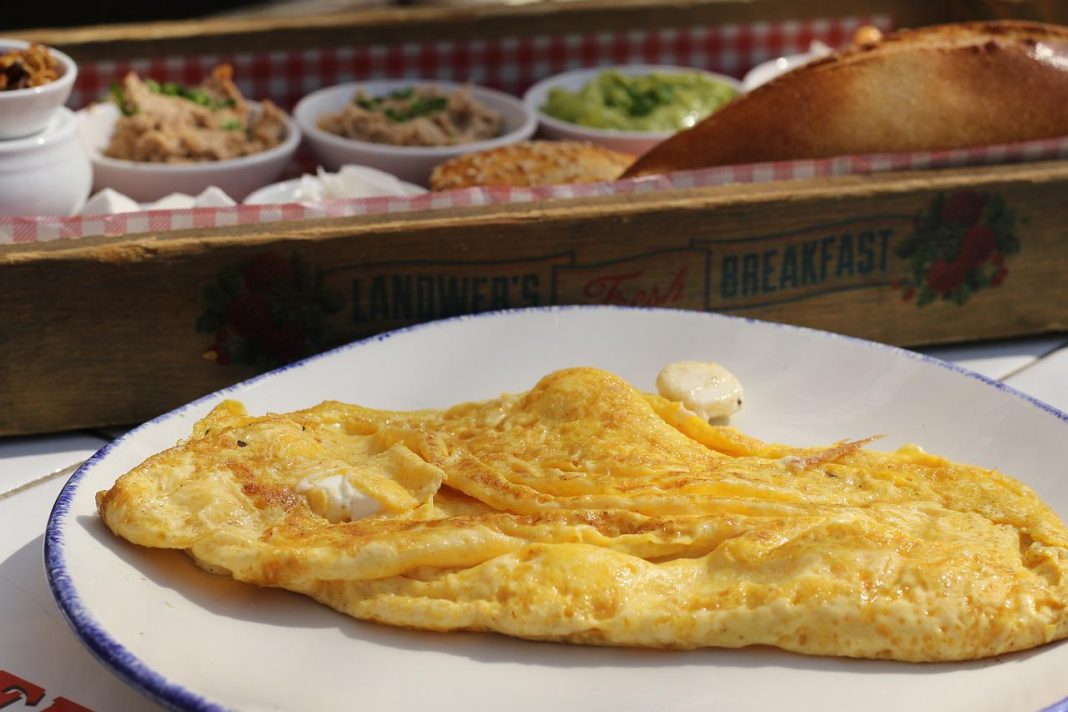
[[658, 101]]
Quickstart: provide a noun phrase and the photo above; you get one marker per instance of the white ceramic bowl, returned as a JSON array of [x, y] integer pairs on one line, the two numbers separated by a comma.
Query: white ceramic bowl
[[409, 163], [47, 173], [26, 111], [635, 142], [773, 68], [145, 182]]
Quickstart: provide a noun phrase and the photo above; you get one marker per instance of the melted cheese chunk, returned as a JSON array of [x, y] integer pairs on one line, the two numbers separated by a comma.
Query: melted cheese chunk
[[705, 388], [335, 498]]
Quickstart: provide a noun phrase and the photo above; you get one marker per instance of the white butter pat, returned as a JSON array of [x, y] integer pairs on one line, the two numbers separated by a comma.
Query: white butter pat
[[334, 498], [351, 182], [212, 197], [112, 202], [310, 189], [174, 201], [109, 202], [704, 387], [361, 182]]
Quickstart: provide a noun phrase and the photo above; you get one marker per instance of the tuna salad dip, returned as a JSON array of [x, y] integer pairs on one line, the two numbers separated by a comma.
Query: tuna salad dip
[[171, 123], [415, 116]]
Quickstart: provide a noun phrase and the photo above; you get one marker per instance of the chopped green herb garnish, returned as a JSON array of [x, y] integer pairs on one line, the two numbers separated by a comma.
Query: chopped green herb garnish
[[193, 94], [417, 106], [119, 97], [231, 125], [364, 103], [428, 105], [423, 106], [641, 102]]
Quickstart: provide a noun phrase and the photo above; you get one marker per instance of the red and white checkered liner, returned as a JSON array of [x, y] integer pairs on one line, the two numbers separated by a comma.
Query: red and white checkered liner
[[34, 229], [512, 65]]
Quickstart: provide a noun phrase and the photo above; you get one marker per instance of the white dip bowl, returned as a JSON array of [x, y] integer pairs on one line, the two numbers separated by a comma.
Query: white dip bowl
[[635, 142], [409, 163], [145, 182]]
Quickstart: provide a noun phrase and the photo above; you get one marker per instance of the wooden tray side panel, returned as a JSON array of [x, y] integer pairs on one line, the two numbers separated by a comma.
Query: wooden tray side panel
[[134, 328]]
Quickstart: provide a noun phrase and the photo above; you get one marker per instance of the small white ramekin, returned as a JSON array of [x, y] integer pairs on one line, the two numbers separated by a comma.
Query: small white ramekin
[[24, 112]]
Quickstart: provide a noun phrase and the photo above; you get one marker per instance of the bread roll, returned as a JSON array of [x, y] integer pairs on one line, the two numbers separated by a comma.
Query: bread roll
[[531, 163], [939, 87]]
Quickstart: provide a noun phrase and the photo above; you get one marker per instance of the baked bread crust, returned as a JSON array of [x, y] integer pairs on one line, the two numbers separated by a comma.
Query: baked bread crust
[[529, 164], [939, 87]]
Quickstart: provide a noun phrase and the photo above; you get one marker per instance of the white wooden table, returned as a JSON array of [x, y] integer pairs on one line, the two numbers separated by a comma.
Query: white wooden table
[[40, 657]]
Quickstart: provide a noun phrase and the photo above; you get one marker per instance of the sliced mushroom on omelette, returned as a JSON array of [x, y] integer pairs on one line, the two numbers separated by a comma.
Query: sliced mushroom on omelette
[[586, 511]]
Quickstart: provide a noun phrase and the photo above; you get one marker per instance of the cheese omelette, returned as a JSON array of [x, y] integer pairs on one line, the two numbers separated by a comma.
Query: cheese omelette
[[586, 511]]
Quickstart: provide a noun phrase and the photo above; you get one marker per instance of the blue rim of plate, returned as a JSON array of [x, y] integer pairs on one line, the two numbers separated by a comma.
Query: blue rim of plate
[[134, 672]]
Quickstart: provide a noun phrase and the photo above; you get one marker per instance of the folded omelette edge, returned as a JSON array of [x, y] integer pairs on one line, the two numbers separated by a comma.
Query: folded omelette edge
[[588, 512]]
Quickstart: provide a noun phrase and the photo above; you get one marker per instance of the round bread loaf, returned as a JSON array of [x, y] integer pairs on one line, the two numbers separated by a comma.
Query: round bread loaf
[[939, 87], [531, 163]]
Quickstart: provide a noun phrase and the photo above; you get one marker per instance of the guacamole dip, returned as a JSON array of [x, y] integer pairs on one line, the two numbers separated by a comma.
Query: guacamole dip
[[658, 101]]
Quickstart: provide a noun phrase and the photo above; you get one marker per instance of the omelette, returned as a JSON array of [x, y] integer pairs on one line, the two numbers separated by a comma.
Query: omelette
[[587, 511]]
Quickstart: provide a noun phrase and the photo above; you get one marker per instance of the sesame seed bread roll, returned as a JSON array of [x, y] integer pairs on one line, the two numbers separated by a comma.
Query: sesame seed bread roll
[[941, 87], [531, 163]]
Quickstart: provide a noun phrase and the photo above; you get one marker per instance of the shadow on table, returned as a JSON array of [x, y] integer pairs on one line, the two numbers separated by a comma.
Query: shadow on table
[[32, 630], [24, 569], [222, 596]]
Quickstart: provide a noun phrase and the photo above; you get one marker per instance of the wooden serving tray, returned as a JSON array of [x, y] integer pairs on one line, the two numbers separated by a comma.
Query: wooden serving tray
[[115, 330]]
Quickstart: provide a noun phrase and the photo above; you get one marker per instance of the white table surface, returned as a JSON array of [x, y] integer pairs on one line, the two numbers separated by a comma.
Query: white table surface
[[39, 648]]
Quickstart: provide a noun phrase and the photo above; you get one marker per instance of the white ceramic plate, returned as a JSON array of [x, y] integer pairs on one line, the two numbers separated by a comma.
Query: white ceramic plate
[[195, 641]]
